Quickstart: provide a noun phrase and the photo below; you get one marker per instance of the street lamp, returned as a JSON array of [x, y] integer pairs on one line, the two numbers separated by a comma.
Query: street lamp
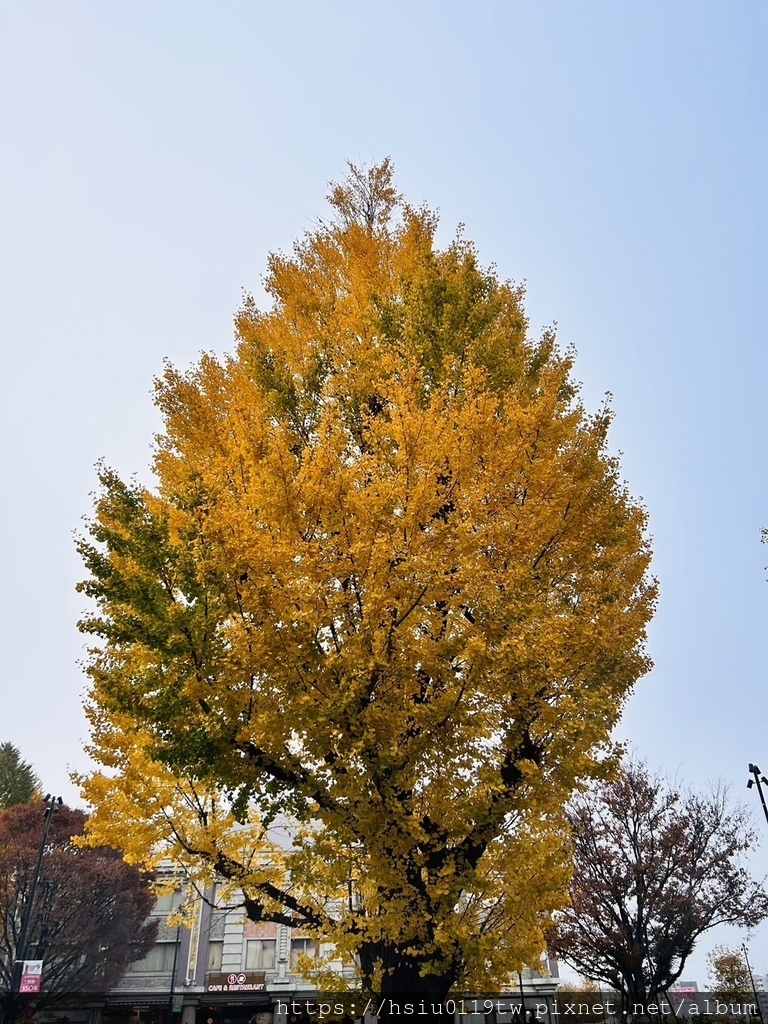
[[758, 780], [746, 958], [53, 802], [172, 992]]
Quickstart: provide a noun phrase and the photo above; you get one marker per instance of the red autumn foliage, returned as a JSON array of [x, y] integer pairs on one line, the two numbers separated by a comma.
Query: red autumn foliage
[[89, 918]]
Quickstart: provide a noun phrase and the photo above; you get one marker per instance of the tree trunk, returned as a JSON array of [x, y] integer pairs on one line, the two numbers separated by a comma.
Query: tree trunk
[[10, 1008], [403, 993]]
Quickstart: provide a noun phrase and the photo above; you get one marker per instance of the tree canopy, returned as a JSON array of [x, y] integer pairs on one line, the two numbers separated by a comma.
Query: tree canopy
[[89, 913], [388, 590], [655, 868], [729, 976], [18, 782]]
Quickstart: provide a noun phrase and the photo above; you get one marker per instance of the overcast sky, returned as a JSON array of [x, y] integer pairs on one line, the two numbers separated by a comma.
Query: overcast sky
[[612, 154]]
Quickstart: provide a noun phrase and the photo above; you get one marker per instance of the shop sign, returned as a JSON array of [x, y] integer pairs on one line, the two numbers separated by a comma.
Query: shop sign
[[237, 981]]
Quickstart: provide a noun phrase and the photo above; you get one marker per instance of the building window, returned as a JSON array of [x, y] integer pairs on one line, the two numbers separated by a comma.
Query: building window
[[215, 949], [217, 899], [159, 960], [169, 902], [302, 947], [259, 954]]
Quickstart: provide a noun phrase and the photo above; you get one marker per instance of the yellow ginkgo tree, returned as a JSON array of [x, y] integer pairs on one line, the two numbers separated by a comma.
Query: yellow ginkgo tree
[[386, 596]]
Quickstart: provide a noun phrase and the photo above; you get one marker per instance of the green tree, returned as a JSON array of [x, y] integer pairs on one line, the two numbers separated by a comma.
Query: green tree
[[389, 588], [18, 782]]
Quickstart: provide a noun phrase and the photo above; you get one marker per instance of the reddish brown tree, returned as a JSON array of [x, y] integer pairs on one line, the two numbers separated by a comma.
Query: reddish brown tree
[[89, 913], [654, 868]]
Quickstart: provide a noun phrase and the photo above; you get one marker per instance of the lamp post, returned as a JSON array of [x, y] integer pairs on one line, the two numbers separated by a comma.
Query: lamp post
[[53, 802], [758, 780], [523, 1008], [746, 958], [172, 992]]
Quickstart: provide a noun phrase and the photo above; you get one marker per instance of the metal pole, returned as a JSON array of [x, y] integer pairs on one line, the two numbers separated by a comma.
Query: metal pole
[[758, 779], [523, 1007], [749, 969], [21, 948], [173, 974]]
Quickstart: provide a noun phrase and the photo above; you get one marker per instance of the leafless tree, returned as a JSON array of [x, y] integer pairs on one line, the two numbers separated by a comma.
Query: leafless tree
[[654, 868]]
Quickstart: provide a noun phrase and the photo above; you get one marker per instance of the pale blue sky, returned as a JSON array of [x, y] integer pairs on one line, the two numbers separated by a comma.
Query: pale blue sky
[[613, 154]]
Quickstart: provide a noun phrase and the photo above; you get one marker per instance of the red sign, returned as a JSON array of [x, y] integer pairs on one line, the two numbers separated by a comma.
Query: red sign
[[31, 976]]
